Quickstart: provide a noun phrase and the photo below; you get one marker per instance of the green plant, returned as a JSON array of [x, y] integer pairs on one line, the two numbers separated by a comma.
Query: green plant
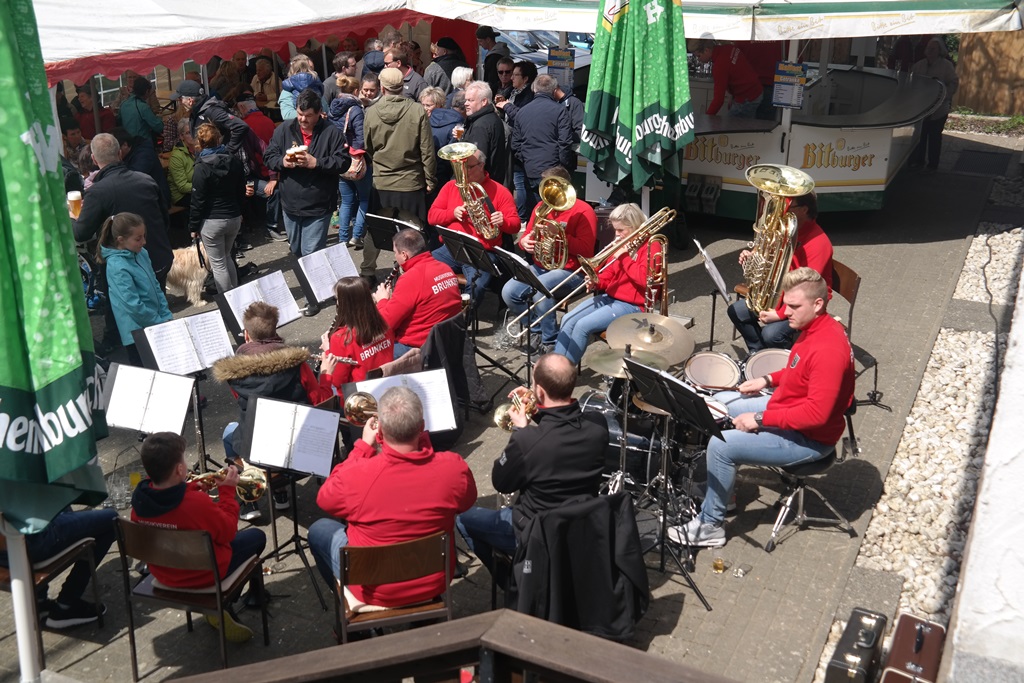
[[964, 111], [1014, 124]]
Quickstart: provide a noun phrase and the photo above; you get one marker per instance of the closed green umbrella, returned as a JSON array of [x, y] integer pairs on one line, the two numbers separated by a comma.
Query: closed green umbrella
[[638, 114], [50, 396]]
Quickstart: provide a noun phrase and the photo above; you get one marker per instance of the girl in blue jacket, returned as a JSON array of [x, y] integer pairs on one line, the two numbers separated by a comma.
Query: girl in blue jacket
[[135, 295]]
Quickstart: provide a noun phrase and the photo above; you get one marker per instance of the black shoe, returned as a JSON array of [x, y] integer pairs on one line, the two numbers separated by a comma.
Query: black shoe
[[312, 309], [247, 271], [276, 235], [243, 245], [44, 607], [81, 612], [281, 499], [356, 243]]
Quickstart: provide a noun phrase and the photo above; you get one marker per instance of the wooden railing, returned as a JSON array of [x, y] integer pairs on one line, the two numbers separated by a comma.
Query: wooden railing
[[502, 646]]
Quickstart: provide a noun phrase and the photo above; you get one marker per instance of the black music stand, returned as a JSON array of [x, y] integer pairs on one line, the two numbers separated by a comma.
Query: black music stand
[[521, 271], [720, 288], [382, 230], [468, 250], [683, 405]]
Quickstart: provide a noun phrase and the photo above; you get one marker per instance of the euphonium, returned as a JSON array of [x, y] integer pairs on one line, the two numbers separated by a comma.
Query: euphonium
[[359, 407], [524, 400], [550, 247], [252, 482], [476, 201], [656, 294], [774, 231]]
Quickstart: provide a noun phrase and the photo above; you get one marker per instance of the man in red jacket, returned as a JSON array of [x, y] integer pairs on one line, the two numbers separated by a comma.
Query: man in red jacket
[[402, 493], [167, 500], [799, 423], [426, 293], [449, 211], [731, 73]]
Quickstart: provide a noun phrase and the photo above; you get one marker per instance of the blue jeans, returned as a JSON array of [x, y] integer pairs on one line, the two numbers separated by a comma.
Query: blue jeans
[[273, 204], [401, 349], [326, 538], [486, 530], [306, 234], [227, 438], [245, 544], [768, 446], [66, 529], [777, 335], [591, 317], [516, 296], [355, 202], [481, 281], [746, 110]]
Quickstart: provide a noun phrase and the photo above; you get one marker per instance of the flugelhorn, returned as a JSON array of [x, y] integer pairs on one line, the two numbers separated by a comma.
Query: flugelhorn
[[551, 249], [252, 482], [359, 407], [591, 268], [524, 400]]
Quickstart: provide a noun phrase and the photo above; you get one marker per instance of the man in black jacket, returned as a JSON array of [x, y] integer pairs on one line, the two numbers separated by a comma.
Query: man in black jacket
[[139, 154], [556, 458], [208, 109], [485, 130], [542, 135]]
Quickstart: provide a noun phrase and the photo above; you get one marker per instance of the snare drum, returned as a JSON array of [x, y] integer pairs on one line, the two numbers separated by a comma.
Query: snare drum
[[711, 371], [765, 362], [643, 443]]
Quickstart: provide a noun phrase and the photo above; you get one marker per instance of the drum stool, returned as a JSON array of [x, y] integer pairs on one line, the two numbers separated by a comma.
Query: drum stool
[[795, 479]]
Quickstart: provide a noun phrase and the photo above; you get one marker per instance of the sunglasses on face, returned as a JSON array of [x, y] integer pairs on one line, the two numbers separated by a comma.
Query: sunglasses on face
[[504, 72]]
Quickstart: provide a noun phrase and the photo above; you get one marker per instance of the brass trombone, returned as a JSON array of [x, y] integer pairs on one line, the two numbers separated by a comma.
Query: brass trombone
[[591, 267], [656, 294]]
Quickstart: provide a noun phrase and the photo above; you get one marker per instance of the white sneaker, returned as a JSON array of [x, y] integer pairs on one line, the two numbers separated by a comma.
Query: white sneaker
[[696, 533], [248, 512]]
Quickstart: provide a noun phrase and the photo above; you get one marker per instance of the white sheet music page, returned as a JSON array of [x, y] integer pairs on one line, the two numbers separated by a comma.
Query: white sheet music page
[[148, 401], [316, 433], [341, 262], [432, 388], [172, 347], [240, 297], [319, 274], [716, 276], [275, 292], [210, 337], [272, 432]]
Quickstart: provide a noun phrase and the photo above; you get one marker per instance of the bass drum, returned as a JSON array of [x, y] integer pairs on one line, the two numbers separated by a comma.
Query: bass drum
[[765, 362], [710, 371], [643, 443]]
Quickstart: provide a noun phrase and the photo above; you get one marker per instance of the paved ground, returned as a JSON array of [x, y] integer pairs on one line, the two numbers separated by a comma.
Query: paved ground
[[768, 626]]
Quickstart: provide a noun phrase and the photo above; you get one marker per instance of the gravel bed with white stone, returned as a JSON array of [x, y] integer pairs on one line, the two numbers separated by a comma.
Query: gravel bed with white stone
[[919, 525]]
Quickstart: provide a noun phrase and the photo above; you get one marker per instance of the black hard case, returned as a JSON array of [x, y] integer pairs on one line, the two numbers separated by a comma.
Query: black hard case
[[859, 650]]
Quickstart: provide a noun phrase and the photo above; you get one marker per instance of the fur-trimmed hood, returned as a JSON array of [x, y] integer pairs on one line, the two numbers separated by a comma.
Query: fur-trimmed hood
[[238, 367]]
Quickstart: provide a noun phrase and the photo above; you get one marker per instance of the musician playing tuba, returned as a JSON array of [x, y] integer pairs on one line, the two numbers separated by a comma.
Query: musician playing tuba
[[813, 249], [622, 284], [577, 223], [467, 204]]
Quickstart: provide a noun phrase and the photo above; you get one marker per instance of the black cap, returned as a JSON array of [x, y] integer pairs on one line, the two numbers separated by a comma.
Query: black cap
[[187, 89], [449, 44]]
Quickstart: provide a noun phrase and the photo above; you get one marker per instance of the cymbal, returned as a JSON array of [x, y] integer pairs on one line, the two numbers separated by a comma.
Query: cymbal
[[659, 334], [643, 405], [608, 362]]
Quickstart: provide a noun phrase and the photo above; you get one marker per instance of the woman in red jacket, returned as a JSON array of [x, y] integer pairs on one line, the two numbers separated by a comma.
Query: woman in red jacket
[[359, 337], [622, 283]]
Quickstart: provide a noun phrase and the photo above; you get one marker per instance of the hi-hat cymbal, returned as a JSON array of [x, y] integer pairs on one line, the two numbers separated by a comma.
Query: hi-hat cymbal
[[659, 334], [608, 362]]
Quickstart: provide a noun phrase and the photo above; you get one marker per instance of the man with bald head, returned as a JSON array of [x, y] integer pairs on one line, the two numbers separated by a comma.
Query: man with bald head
[[553, 456]]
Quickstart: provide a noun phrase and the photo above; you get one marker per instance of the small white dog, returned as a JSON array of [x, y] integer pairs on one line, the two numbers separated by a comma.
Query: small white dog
[[187, 276]]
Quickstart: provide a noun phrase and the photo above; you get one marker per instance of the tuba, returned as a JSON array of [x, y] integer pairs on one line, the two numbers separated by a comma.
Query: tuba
[[656, 294], [476, 201], [774, 231], [551, 248]]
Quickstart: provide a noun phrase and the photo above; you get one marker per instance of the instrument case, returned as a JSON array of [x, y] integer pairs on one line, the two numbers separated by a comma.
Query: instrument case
[[859, 650], [916, 647]]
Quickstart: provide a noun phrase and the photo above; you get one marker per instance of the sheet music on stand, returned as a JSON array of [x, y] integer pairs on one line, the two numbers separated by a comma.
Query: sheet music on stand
[[291, 436], [185, 345], [519, 269], [468, 249], [383, 229], [716, 276], [270, 288], [432, 388], [145, 400], [318, 272], [672, 395]]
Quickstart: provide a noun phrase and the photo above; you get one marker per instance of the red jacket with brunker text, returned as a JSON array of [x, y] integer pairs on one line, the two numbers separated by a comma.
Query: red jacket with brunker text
[[625, 278], [370, 356], [816, 386], [426, 293], [442, 211], [580, 230], [390, 497]]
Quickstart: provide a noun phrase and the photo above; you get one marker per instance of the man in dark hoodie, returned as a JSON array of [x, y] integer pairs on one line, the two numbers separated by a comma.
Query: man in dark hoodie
[[167, 500], [265, 366], [556, 457]]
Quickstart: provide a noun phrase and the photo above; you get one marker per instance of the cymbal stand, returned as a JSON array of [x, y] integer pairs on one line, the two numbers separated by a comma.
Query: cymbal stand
[[668, 505], [714, 307], [617, 481]]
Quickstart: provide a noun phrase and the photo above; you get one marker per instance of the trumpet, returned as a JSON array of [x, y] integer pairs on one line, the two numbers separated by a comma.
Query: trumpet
[[591, 268], [252, 482], [359, 407], [524, 400]]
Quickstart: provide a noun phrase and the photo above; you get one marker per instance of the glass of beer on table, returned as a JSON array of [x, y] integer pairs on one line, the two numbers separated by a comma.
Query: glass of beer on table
[[75, 203]]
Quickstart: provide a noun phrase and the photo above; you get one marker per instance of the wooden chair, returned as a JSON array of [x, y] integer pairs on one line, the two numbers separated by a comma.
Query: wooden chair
[[45, 571], [183, 549], [383, 564], [846, 283]]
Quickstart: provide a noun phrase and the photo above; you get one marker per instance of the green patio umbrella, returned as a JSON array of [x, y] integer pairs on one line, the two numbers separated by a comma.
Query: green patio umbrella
[[638, 116], [50, 395]]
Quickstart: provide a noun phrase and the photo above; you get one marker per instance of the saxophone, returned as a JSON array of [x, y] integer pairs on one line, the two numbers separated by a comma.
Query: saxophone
[[476, 201], [551, 249], [774, 231]]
